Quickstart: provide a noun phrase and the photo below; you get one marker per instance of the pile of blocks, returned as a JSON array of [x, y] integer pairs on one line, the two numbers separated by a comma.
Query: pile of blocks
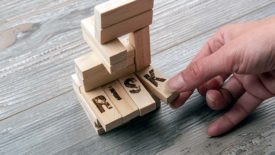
[[115, 82]]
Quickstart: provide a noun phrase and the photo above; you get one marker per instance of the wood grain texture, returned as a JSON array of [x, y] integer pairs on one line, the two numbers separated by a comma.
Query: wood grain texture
[[40, 114]]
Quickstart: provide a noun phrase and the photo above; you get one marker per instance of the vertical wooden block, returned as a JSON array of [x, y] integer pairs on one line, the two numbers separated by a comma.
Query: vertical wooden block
[[112, 52], [103, 108], [138, 93], [130, 25], [94, 121], [155, 82], [123, 103], [140, 40], [116, 11]]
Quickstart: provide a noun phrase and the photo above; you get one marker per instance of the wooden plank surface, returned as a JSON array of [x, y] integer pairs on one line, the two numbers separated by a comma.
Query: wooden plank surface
[[39, 113]]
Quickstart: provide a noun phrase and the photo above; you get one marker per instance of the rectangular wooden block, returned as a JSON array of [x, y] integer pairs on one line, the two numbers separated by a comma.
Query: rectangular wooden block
[[93, 74], [117, 67], [104, 110], [94, 121], [155, 82], [116, 11], [112, 52], [105, 77], [138, 93], [130, 25], [140, 40], [121, 100], [88, 65]]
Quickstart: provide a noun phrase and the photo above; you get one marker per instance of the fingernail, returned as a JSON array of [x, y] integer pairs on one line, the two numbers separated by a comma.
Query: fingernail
[[210, 97], [176, 83]]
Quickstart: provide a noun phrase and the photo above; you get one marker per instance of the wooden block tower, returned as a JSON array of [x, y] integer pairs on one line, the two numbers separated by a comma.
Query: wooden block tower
[[115, 82]]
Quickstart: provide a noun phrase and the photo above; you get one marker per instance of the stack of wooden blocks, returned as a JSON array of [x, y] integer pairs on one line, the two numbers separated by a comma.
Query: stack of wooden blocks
[[115, 83]]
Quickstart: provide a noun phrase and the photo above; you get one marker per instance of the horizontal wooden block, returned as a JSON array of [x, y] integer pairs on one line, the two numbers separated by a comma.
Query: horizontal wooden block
[[88, 65], [155, 82], [103, 108], [140, 40], [119, 66], [105, 77], [130, 25], [112, 52], [138, 93], [116, 11], [94, 121], [123, 103]]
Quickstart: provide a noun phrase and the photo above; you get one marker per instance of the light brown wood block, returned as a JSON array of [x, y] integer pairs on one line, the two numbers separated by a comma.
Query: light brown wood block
[[103, 108], [88, 65], [94, 121], [130, 25], [140, 40], [104, 77], [155, 82], [121, 100], [112, 52], [116, 11], [119, 66], [138, 93]]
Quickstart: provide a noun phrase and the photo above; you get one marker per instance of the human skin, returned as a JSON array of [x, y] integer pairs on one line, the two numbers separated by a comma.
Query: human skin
[[235, 69]]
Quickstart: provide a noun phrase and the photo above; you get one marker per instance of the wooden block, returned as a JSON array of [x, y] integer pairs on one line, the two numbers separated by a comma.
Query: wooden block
[[155, 82], [140, 40], [119, 66], [138, 93], [112, 52], [104, 77], [88, 65], [123, 103], [130, 25], [94, 121], [116, 11], [103, 108]]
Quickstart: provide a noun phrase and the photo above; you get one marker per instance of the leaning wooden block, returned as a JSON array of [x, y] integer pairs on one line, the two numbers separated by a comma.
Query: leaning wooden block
[[130, 25], [155, 82], [140, 40], [112, 52], [116, 11], [138, 93], [121, 100], [94, 121], [103, 108]]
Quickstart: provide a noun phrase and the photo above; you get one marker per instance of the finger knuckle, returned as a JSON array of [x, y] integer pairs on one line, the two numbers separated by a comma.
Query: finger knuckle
[[240, 109], [194, 70]]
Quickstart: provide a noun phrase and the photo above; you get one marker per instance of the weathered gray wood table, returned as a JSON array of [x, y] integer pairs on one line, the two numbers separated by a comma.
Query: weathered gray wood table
[[39, 113]]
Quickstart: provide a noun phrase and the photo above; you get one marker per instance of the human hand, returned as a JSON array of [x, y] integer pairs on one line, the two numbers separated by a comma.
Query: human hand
[[244, 55]]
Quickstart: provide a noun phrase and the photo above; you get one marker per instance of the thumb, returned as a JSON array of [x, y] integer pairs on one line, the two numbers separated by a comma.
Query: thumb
[[223, 61]]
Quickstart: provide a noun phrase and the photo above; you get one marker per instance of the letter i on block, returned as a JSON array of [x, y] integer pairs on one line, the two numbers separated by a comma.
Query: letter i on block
[[155, 82]]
